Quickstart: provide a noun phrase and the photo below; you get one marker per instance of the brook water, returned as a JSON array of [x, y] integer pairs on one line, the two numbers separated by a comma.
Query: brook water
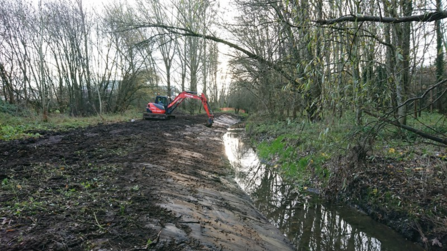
[[307, 221]]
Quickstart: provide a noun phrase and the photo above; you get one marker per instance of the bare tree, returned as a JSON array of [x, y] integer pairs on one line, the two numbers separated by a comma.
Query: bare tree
[[16, 56], [167, 43], [193, 15], [307, 56], [133, 59]]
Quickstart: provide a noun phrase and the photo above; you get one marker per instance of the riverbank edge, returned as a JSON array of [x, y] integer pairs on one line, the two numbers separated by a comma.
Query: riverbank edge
[[354, 193]]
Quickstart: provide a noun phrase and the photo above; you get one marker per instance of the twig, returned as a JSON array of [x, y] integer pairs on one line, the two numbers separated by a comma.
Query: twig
[[423, 238], [426, 17], [155, 242], [97, 223]]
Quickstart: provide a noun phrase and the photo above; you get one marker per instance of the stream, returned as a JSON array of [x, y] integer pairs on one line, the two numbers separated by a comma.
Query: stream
[[307, 221]]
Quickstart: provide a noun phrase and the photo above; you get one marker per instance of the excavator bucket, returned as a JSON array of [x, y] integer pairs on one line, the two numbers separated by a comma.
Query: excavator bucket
[[209, 122]]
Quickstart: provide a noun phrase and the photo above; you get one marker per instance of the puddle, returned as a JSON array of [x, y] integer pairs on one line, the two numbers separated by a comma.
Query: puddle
[[307, 221]]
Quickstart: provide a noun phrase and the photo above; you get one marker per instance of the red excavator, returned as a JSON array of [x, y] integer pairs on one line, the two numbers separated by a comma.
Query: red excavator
[[163, 107]]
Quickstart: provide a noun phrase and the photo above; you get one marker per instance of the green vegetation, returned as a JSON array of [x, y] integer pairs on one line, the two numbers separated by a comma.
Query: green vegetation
[[384, 169], [306, 151], [300, 147], [17, 127]]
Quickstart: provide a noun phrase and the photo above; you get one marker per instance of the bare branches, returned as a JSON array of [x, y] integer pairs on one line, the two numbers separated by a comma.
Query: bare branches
[[187, 32], [408, 128]]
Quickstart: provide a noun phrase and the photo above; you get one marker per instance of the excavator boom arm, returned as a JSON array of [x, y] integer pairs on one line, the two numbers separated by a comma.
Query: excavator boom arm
[[184, 95]]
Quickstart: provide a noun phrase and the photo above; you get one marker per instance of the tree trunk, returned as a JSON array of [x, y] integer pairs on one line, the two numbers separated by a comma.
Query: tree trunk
[[43, 86], [403, 40], [7, 87], [440, 104]]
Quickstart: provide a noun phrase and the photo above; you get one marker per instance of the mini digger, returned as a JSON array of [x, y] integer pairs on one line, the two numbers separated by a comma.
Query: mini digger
[[163, 107]]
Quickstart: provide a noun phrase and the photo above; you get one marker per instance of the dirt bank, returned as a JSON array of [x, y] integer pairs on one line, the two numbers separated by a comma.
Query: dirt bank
[[408, 195], [156, 185]]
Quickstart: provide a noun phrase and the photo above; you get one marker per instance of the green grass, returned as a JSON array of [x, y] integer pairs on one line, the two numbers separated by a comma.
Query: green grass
[[401, 144], [302, 148], [18, 127], [299, 148]]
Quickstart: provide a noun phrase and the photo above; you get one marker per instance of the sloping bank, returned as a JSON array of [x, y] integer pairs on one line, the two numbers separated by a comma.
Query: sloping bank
[[211, 209], [403, 188]]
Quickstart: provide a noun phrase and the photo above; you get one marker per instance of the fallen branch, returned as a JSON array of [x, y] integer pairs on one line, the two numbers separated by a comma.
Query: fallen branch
[[411, 129], [426, 92]]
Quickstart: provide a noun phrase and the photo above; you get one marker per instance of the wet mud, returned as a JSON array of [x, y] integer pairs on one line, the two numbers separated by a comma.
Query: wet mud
[[142, 185]]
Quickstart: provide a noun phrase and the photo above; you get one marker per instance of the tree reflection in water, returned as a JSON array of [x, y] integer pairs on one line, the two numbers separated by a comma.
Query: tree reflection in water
[[307, 221]]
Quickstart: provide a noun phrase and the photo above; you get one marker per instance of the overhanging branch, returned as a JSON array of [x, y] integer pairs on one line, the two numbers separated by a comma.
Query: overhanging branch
[[189, 33], [427, 17]]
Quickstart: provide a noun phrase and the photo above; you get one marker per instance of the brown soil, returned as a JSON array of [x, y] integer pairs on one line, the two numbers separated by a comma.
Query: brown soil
[[155, 185], [406, 193]]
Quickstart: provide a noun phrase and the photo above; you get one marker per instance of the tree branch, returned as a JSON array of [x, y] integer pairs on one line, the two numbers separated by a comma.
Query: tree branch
[[408, 128], [189, 33], [411, 129], [427, 91], [427, 17]]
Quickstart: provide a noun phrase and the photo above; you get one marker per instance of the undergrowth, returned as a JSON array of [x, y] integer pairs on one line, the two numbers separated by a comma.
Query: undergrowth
[[396, 175], [300, 146]]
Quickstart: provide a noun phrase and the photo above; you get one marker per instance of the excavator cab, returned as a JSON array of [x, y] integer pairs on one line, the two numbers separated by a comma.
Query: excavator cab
[[162, 100]]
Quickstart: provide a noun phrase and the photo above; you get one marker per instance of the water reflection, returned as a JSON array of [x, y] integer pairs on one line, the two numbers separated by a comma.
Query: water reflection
[[307, 221]]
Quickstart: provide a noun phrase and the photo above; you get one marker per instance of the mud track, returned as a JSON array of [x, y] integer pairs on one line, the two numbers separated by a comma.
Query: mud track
[[143, 185]]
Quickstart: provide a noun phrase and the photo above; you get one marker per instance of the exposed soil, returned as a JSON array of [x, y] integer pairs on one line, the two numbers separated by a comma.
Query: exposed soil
[[407, 193], [404, 188], [155, 185]]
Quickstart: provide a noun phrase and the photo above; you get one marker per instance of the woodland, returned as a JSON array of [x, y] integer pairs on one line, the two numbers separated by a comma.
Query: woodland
[[361, 82], [284, 58]]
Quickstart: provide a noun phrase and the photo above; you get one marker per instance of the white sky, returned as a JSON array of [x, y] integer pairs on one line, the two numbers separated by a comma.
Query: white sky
[[227, 12]]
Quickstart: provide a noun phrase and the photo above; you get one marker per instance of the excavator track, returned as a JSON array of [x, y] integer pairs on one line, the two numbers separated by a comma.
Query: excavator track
[[148, 116]]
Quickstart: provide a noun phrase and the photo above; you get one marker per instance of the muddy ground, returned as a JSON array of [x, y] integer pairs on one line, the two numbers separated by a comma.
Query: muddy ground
[[406, 191], [142, 185]]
